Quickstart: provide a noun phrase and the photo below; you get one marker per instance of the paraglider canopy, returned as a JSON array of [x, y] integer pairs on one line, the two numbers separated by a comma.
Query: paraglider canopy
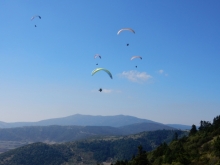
[[97, 55], [35, 17], [124, 29], [133, 57], [102, 69]]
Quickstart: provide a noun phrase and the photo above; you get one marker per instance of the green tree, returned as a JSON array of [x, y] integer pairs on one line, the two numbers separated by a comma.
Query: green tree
[[193, 130], [217, 147], [141, 158], [204, 125], [161, 150], [216, 121], [169, 157], [175, 136]]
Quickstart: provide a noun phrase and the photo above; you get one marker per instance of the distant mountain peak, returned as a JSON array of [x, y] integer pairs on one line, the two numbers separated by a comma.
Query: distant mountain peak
[[82, 120]]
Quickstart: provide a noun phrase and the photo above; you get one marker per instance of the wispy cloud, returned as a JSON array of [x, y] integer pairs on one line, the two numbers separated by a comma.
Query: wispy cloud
[[135, 76], [161, 71], [107, 91]]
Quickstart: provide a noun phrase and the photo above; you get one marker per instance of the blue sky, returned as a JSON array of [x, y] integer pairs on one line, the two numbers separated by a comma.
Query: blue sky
[[45, 71]]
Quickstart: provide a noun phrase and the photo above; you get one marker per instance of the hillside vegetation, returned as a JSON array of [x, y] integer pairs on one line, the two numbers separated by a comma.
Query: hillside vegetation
[[162, 147], [57, 133], [201, 147], [90, 151]]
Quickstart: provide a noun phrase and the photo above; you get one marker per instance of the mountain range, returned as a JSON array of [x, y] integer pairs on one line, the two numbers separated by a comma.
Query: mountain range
[[73, 128], [88, 120]]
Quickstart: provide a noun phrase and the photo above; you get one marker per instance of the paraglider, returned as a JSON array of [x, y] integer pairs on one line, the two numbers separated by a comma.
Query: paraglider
[[32, 18], [123, 29], [126, 29], [99, 69], [97, 55], [102, 69], [35, 17], [133, 57]]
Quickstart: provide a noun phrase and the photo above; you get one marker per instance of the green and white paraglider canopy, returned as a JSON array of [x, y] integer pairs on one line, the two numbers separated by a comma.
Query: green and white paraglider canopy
[[102, 69]]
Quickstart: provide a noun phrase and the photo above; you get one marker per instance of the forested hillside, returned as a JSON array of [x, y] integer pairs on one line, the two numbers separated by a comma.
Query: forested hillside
[[57, 133], [163, 147], [201, 147], [90, 151]]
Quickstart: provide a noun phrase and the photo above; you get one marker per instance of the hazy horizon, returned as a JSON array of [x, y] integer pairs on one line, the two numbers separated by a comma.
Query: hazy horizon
[[96, 116]]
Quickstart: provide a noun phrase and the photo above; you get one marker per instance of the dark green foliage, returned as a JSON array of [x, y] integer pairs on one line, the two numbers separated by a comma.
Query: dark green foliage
[[216, 122], [139, 159], [164, 154], [97, 150], [124, 148], [161, 150], [121, 162], [199, 148], [193, 130], [175, 136], [169, 157], [205, 125], [180, 154], [35, 154], [217, 147]]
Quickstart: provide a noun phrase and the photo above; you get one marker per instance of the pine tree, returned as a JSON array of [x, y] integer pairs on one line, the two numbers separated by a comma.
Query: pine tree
[[141, 158], [193, 130]]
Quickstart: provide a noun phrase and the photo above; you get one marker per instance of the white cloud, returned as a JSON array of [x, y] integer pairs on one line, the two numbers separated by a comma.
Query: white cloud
[[161, 71], [107, 91], [136, 76]]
